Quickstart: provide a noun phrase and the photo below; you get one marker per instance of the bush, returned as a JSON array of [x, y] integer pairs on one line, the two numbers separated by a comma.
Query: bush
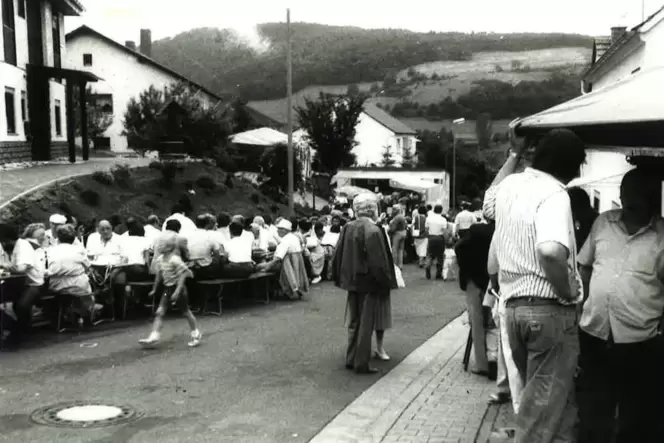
[[121, 175], [205, 181], [90, 197], [103, 177], [168, 172], [150, 204], [255, 197]]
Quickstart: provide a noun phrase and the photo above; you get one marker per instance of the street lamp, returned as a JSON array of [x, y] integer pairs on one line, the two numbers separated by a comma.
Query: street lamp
[[458, 121]]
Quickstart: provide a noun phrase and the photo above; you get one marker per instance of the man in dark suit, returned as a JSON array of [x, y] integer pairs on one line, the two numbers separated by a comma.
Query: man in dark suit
[[363, 266]]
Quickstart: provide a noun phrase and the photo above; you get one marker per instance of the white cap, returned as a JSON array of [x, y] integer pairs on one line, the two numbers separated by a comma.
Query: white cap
[[58, 219], [285, 224]]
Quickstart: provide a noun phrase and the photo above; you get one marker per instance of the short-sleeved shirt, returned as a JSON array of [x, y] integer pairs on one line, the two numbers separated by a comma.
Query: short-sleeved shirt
[[531, 208], [626, 296], [436, 224], [289, 244], [134, 248], [202, 247], [105, 253], [187, 226], [172, 269], [464, 220], [29, 258], [238, 250]]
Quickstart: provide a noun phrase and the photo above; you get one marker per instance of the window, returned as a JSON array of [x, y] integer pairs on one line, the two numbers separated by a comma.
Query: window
[[87, 59], [57, 55], [58, 118], [24, 106], [103, 102], [596, 200], [9, 31], [21, 8], [10, 110]]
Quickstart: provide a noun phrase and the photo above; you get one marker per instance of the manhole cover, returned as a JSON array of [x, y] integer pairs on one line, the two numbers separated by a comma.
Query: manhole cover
[[84, 414]]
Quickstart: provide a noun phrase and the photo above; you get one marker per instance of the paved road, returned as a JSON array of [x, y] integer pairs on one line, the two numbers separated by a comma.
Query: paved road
[[15, 181], [263, 374]]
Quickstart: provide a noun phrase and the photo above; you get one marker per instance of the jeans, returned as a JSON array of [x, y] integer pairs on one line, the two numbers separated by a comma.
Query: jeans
[[623, 376], [544, 341]]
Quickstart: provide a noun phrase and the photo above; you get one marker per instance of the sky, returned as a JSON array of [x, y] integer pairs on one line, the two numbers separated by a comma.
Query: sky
[[122, 19]]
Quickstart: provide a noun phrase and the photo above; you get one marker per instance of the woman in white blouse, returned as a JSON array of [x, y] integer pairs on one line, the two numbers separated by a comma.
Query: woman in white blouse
[[68, 265], [29, 258]]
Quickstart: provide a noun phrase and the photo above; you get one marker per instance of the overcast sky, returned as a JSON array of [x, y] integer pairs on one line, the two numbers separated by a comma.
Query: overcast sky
[[122, 19]]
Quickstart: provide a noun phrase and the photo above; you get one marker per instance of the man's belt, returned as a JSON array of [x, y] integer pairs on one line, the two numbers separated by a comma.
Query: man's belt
[[534, 301]]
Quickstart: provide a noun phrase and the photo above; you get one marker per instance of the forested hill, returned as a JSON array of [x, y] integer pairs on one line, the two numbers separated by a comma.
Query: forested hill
[[327, 55]]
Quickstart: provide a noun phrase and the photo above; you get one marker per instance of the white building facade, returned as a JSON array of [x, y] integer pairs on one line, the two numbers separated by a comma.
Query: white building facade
[[33, 104], [126, 73], [376, 130], [630, 52]]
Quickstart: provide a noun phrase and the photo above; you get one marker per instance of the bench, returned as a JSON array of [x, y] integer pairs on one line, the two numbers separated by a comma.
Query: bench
[[134, 286], [219, 284]]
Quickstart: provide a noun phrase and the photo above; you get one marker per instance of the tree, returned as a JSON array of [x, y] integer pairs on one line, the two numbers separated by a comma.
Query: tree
[[330, 123], [388, 158], [99, 119], [408, 159], [274, 164], [353, 90], [204, 130]]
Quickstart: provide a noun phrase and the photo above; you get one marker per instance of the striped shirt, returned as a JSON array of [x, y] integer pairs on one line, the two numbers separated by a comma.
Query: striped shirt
[[530, 208]]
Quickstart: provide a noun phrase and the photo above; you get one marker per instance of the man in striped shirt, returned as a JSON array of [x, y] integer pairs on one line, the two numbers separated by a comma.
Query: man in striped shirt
[[536, 252]]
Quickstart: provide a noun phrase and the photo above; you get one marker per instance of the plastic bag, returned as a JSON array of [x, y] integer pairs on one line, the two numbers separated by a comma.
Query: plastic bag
[[400, 282]]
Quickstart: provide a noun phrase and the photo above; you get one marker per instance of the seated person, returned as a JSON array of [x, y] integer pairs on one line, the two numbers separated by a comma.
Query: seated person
[[136, 252], [204, 251], [29, 258], [289, 261], [238, 250], [223, 221], [316, 252], [104, 247], [55, 221]]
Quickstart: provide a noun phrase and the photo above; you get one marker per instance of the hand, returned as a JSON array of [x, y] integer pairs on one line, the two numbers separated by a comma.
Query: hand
[[517, 145]]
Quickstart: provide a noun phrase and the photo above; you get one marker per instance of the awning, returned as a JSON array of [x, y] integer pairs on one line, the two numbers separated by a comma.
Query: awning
[[64, 74], [260, 137], [627, 113], [352, 191], [412, 184]]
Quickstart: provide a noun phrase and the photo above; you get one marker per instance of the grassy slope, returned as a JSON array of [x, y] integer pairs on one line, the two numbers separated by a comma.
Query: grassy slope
[[143, 196]]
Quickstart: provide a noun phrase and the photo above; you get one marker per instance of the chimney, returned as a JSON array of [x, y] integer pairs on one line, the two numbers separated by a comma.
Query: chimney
[[146, 42], [617, 32], [131, 45]]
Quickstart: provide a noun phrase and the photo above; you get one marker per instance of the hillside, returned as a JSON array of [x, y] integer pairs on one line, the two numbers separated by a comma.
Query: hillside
[[333, 55]]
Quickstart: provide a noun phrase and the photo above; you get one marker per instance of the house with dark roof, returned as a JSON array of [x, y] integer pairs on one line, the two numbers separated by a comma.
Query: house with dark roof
[[376, 130], [126, 72], [624, 57]]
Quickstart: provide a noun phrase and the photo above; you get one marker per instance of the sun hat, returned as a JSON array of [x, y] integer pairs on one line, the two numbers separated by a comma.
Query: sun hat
[[285, 224], [58, 219]]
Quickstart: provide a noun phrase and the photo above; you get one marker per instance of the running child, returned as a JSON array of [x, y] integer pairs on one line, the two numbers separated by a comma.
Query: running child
[[171, 275]]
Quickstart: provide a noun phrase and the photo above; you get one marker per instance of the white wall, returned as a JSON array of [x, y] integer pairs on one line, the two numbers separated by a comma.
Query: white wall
[[617, 70], [372, 137], [123, 77], [600, 164]]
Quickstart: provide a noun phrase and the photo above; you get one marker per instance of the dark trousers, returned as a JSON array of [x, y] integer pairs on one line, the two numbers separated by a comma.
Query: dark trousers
[[362, 312], [626, 377], [543, 338], [23, 310], [436, 252], [238, 270]]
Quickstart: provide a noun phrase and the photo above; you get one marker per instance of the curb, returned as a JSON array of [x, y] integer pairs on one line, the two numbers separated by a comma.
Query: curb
[[370, 417]]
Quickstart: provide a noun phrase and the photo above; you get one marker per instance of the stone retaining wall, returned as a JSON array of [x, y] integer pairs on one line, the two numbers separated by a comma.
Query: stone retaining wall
[[21, 151]]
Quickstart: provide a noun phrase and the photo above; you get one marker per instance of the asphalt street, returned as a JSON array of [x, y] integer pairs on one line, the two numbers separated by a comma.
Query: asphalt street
[[270, 373]]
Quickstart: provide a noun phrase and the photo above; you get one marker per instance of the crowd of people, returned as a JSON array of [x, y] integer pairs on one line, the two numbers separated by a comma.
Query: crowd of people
[[578, 298]]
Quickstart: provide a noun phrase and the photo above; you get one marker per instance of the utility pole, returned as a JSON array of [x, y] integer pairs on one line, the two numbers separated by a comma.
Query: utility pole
[[289, 103]]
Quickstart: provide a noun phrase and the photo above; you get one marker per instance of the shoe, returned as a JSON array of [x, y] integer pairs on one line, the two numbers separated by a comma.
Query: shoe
[[350, 367], [382, 356], [499, 398], [366, 370], [428, 273], [152, 340], [316, 280], [196, 337]]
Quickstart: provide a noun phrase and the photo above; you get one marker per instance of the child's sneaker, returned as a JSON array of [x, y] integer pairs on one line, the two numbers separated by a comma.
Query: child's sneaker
[[196, 337], [316, 280], [152, 340]]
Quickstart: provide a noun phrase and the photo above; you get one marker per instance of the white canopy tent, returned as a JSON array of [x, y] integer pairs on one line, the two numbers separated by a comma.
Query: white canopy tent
[[260, 137], [412, 184]]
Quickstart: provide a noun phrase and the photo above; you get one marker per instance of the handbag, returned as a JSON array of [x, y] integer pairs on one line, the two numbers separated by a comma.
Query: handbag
[[400, 282]]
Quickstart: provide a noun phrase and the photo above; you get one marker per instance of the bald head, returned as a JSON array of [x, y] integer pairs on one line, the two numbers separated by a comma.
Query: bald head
[[105, 229], [639, 194]]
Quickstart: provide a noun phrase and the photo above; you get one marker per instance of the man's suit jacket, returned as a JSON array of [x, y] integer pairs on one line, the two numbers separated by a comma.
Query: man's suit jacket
[[362, 261]]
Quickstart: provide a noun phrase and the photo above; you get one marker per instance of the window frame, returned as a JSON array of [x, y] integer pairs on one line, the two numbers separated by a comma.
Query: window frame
[[57, 112], [24, 106], [10, 114], [85, 59], [597, 200], [9, 32]]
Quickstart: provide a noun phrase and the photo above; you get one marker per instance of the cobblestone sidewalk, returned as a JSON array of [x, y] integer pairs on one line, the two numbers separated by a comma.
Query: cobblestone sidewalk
[[427, 398]]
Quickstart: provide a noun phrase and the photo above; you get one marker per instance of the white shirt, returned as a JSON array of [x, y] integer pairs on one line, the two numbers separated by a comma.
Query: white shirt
[[238, 250], [187, 226], [151, 234], [105, 253], [134, 248], [289, 244], [31, 261], [330, 239], [201, 247], [225, 233], [67, 268], [219, 238], [436, 224], [464, 220]]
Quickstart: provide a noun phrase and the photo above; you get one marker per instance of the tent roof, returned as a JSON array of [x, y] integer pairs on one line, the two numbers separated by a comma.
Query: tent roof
[[411, 184], [260, 137], [626, 113]]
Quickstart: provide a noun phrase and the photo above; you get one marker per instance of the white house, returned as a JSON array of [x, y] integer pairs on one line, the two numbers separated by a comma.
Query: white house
[[617, 58], [35, 119], [126, 73], [375, 130]]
